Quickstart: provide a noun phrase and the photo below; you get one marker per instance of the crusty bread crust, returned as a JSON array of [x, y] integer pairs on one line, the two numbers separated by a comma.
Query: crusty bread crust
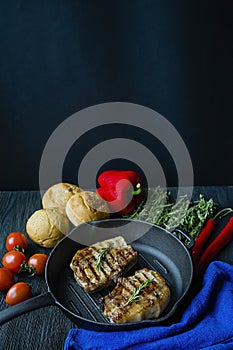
[[47, 226], [86, 206], [58, 195]]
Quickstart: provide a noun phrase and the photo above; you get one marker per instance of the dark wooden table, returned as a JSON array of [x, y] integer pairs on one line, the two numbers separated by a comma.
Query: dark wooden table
[[47, 328]]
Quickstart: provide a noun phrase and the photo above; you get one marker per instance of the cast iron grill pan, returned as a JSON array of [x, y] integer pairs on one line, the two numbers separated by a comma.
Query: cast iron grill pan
[[158, 249]]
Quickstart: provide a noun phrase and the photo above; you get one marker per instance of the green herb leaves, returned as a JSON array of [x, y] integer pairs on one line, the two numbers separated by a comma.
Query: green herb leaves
[[184, 214], [196, 215], [100, 257], [137, 292]]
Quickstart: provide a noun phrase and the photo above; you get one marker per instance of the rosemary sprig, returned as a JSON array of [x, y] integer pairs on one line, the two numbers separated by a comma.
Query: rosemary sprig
[[174, 217], [156, 204], [196, 215], [184, 214], [137, 292], [100, 257]]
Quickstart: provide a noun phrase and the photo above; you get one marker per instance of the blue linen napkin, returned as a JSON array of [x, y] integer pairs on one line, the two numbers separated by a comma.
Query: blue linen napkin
[[207, 322]]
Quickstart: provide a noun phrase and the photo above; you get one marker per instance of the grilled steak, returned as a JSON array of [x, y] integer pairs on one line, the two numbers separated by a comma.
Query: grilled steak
[[97, 266], [139, 297]]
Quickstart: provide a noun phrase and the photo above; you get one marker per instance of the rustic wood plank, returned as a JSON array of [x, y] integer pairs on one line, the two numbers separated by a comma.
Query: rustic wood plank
[[47, 328]]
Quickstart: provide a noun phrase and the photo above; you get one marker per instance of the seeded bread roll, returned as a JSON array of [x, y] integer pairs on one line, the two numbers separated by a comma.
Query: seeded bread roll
[[58, 195], [86, 206], [47, 226]]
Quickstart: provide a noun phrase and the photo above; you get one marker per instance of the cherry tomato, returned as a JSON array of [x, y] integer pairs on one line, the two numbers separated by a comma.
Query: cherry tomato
[[6, 278], [13, 260], [16, 239], [18, 292], [38, 262]]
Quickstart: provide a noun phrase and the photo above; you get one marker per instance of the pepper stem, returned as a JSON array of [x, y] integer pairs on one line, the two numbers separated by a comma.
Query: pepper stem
[[138, 189], [222, 213]]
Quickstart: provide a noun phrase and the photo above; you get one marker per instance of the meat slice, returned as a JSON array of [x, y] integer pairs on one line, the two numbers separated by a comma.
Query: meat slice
[[99, 265], [143, 296]]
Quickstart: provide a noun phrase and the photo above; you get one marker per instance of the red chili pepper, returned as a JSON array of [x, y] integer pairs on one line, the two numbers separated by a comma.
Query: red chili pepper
[[201, 240], [215, 247], [122, 189]]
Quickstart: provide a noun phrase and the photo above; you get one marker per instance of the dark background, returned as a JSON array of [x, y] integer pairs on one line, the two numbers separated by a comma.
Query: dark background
[[58, 57]]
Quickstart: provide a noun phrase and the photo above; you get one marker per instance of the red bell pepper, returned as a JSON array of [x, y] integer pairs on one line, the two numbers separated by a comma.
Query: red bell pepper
[[122, 189]]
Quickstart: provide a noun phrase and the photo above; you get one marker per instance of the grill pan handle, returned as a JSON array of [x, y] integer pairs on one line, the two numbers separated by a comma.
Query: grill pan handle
[[34, 303], [190, 239]]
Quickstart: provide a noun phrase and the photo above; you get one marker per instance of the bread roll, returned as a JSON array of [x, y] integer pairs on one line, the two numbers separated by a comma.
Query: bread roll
[[58, 195], [86, 206], [47, 226]]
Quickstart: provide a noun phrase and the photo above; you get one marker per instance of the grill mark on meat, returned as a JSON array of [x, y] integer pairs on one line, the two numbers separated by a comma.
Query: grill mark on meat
[[84, 276], [141, 280], [104, 269], [116, 261], [107, 266], [96, 272], [150, 302], [111, 262]]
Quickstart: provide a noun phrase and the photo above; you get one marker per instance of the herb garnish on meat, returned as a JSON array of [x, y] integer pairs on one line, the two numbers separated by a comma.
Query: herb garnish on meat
[[100, 257], [137, 292]]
